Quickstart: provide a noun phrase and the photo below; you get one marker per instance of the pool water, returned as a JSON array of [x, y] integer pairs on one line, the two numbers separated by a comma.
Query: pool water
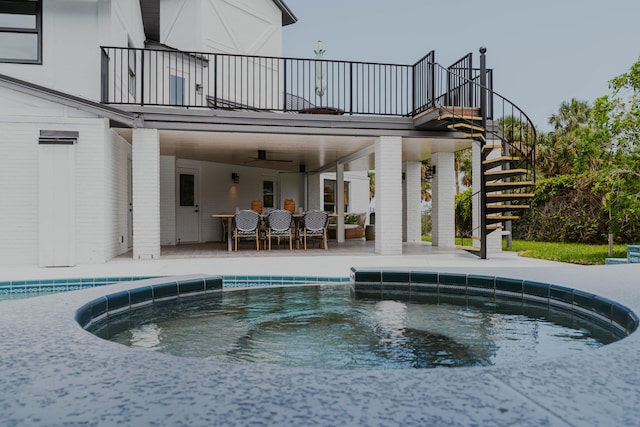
[[329, 327]]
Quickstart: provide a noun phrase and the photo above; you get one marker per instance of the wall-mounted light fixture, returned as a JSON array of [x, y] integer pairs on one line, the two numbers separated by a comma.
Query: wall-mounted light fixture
[[198, 88], [235, 178]]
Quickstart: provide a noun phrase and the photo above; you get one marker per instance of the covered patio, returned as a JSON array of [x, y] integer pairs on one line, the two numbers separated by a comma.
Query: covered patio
[[233, 153]]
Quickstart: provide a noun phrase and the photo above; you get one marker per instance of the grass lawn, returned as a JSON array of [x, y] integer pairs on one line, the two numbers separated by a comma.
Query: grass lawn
[[575, 253]]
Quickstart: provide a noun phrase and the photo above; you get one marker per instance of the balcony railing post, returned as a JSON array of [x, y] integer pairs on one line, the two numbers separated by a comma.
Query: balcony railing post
[[351, 88], [431, 69], [104, 73], [483, 114], [142, 78], [470, 79], [215, 81], [284, 84]]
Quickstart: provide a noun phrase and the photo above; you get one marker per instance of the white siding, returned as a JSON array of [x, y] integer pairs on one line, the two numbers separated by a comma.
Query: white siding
[[72, 33], [222, 26]]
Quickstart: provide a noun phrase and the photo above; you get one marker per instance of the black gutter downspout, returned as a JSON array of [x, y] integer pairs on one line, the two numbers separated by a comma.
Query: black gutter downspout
[[483, 189]]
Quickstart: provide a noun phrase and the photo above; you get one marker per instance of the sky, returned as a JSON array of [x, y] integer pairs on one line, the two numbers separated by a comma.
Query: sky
[[543, 52]]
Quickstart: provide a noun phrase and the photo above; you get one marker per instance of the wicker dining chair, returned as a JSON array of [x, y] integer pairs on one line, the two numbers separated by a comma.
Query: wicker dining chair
[[314, 225], [246, 224], [279, 225]]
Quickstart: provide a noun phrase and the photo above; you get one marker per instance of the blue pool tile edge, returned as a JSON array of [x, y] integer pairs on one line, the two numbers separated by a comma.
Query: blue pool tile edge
[[593, 307]]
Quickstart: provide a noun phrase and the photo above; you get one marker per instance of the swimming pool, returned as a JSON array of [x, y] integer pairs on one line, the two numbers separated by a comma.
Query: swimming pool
[[329, 327]]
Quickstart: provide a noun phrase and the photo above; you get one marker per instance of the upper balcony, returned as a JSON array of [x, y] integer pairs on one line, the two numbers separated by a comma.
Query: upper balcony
[[254, 83]]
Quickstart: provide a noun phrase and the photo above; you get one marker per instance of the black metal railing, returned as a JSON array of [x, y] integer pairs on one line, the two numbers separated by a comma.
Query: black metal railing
[[193, 79]]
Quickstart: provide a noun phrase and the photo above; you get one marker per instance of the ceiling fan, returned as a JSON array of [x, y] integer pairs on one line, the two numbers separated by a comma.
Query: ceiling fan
[[262, 155]]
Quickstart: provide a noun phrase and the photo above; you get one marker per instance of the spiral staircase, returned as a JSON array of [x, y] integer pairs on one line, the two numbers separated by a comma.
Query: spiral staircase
[[506, 139]]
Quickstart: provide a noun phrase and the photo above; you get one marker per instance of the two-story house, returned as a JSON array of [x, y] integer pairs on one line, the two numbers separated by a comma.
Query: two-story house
[[126, 124]]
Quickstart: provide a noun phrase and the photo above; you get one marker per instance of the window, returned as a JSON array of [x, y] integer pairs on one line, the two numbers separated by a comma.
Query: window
[[330, 195], [268, 192], [176, 90], [187, 190], [21, 31]]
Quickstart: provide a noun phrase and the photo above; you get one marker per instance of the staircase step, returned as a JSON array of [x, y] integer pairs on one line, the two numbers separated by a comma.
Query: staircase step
[[506, 208], [476, 136], [494, 227], [492, 219], [471, 249], [498, 161], [489, 147], [503, 197], [505, 173], [465, 125], [511, 185]]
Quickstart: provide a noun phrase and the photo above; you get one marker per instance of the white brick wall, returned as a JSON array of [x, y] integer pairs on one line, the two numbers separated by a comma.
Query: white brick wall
[[117, 176], [19, 176], [168, 200], [146, 194], [443, 188], [19, 193], [388, 161]]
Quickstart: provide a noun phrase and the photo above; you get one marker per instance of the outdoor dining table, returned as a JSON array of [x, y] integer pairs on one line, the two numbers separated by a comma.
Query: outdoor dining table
[[229, 217]]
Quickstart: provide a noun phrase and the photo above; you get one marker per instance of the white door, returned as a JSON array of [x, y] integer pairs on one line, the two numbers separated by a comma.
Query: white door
[[188, 205]]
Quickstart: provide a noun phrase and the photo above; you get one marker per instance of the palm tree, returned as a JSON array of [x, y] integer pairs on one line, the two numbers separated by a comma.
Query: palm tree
[[558, 150]]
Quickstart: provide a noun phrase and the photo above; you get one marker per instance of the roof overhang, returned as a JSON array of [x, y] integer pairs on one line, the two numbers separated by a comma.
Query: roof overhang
[[114, 114]]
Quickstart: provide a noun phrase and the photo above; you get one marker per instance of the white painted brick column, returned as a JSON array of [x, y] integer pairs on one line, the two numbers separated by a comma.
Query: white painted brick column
[[476, 176], [388, 155], [412, 202], [340, 202], [443, 190], [146, 194]]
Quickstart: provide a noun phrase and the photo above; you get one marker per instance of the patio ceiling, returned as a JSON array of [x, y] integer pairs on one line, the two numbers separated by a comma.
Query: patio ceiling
[[316, 152]]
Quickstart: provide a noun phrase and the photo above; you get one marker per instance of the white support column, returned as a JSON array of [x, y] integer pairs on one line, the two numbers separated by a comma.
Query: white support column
[[146, 194], [412, 206], [388, 162], [340, 202], [314, 191], [476, 176], [443, 188], [494, 239]]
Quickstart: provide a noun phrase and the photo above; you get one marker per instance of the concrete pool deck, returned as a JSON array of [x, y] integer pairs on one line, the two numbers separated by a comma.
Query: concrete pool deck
[[52, 372]]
